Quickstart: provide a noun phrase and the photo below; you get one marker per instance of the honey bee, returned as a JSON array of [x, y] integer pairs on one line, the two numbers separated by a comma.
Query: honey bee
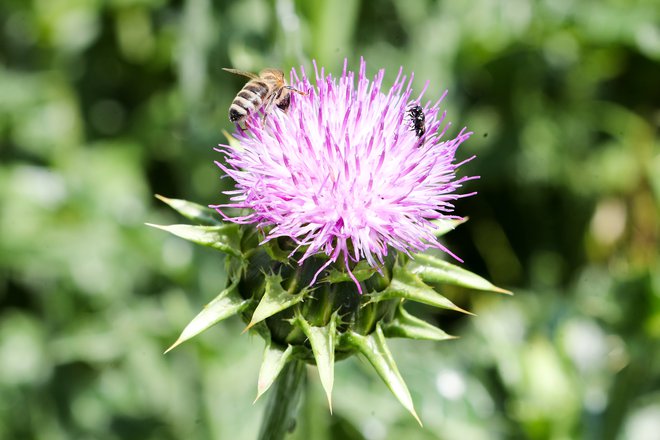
[[417, 118], [262, 91]]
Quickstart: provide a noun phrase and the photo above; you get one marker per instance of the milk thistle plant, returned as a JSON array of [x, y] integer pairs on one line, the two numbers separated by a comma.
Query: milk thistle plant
[[324, 236]]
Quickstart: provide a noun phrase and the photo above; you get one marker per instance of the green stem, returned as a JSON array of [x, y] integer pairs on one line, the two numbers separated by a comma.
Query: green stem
[[280, 416]]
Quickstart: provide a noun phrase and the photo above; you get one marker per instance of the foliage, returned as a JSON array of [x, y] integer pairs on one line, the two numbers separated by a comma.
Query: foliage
[[105, 103]]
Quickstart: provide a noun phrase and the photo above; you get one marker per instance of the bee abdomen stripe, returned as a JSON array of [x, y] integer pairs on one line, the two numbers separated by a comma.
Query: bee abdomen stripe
[[241, 102], [250, 96], [237, 109], [259, 88]]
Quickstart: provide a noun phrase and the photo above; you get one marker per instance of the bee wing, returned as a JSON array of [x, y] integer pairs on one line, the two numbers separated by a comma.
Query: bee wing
[[241, 72]]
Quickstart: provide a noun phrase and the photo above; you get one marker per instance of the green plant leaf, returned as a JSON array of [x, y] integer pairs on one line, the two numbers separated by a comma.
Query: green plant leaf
[[231, 140], [362, 271], [323, 341], [226, 304], [275, 358], [192, 211], [406, 285], [433, 270], [405, 325], [275, 252], [274, 300], [375, 349], [225, 238], [444, 226], [281, 410]]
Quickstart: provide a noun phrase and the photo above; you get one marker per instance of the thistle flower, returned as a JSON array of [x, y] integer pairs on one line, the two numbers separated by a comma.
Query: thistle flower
[[334, 204], [344, 173]]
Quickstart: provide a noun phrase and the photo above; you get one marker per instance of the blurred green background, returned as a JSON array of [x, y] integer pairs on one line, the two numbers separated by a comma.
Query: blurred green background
[[105, 103]]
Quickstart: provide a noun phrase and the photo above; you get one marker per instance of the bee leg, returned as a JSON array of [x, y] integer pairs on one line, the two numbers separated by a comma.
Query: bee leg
[[268, 107], [296, 90]]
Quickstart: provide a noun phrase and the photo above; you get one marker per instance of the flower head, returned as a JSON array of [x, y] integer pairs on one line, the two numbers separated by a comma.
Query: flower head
[[345, 171]]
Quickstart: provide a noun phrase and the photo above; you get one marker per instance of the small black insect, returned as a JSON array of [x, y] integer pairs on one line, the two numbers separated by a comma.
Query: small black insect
[[418, 119]]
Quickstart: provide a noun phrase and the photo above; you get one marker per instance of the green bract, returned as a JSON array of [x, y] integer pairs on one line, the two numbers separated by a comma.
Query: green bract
[[329, 320]]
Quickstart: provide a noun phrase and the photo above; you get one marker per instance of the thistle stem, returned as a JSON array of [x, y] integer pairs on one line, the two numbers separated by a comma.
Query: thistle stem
[[280, 415]]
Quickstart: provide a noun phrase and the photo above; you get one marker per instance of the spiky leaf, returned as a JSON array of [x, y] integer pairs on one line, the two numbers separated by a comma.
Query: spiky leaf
[[375, 349], [405, 325], [193, 211], [275, 299], [274, 360], [225, 238], [406, 285], [226, 304], [323, 341], [433, 270]]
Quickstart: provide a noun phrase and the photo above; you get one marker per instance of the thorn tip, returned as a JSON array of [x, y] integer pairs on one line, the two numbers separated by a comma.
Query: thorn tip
[[173, 346]]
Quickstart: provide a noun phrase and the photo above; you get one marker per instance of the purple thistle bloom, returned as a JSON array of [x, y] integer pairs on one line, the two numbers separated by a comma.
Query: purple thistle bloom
[[344, 173]]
